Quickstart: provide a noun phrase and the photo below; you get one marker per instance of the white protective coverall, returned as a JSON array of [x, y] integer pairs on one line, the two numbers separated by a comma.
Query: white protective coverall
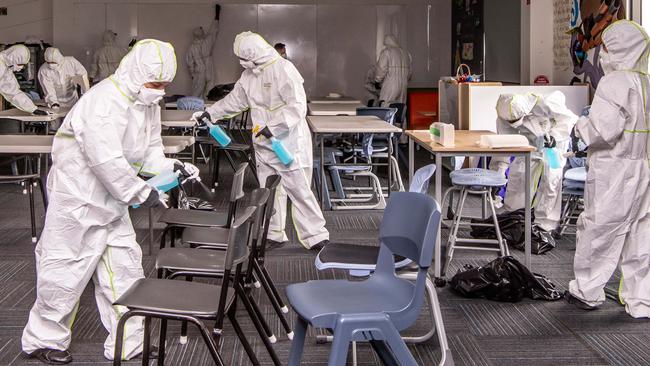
[[107, 58], [369, 84], [9, 87], [56, 75], [535, 116], [615, 223], [393, 72], [108, 137], [199, 59], [272, 88]]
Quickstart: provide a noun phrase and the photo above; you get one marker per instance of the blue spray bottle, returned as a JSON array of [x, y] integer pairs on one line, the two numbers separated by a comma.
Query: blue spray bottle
[[215, 130], [163, 182], [551, 155], [278, 147]]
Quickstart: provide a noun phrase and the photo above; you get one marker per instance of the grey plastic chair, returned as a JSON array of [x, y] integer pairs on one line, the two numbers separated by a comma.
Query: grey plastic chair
[[376, 309], [361, 260], [573, 187], [196, 302]]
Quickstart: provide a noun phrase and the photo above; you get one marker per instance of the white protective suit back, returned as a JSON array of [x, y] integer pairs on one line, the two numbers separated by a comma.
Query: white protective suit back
[[107, 58], [56, 78], [199, 59], [9, 87], [393, 72]]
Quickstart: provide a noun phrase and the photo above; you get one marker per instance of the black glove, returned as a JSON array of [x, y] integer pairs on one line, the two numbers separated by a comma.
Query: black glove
[[153, 200], [180, 167], [549, 141], [265, 132], [203, 119], [377, 85], [39, 112], [575, 148], [217, 11]]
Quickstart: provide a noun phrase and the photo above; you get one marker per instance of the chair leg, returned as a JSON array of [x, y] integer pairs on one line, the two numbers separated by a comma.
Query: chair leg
[[183, 337], [384, 353], [30, 192], [298, 343], [146, 341], [340, 345], [447, 358], [241, 294], [43, 192], [162, 341], [452, 237], [397, 345], [274, 300], [262, 320], [276, 293], [209, 342], [119, 339], [242, 338], [502, 245]]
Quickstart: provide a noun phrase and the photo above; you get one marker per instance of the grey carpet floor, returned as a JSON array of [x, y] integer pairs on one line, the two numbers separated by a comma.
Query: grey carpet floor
[[480, 332]]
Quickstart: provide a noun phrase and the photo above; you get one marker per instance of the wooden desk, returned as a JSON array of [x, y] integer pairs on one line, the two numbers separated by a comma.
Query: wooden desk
[[322, 125], [330, 100], [466, 144], [333, 109]]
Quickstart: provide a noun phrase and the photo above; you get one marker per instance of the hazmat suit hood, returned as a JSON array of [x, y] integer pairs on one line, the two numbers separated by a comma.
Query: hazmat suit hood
[[390, 41], [198, 34], [514, 107], [628, 47], [53, 55], [150, 60], [15, 55], [109, 38], [254, 51]]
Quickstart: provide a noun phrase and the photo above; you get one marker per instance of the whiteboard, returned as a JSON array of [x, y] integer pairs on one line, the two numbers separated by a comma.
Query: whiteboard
[[483, 101]]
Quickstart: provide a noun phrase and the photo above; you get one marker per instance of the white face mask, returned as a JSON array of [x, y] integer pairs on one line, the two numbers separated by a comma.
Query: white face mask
[[605, 59], [148, 96], [54, 66], [17, 68]]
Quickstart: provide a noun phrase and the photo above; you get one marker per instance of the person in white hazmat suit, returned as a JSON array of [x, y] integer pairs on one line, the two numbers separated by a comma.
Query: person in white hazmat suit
[[545, 121], [373, 88], [615, 224], [107, 58], [111, 135], [14, 59], [199, 57], [56, 76], [272, 88], [393, 71]]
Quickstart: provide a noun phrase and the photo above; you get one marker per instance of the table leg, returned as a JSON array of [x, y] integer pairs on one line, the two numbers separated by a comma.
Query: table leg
[[411, 159], [527, 213], [322, 172], [438, 249], [150, 231], [390, 166]]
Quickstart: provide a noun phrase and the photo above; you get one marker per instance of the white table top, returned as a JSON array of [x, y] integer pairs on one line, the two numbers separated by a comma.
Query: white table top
[[330, 100], [333, 109], [176, 118], [15, 113], [42, 144], [350, 124]]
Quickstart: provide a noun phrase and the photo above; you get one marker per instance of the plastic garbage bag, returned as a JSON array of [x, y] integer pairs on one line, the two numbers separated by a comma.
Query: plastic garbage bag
[[512, 225], [504, 279]]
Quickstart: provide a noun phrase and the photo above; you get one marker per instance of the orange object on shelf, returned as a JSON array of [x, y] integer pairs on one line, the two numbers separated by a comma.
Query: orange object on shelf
[[422, 108]]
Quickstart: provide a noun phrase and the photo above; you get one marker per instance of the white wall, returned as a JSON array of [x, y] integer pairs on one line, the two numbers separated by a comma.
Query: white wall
[[537, 40], [26, 17], [331, 42]]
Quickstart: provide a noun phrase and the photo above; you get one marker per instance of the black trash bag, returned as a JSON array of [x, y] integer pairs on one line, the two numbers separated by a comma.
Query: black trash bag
[[541, 241], [512, 226], [504, 279], [220, 91]]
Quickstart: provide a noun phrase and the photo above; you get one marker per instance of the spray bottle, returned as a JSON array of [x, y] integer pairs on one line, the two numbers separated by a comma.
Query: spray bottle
[[215, 130], [163, 182], [278, 147]]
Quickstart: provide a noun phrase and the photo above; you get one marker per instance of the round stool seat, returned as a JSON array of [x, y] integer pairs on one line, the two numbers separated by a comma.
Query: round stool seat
[[476, 177], [576, 174]]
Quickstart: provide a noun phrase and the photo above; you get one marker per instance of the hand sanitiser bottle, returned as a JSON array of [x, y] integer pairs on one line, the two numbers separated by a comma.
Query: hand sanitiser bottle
[[278, 147], [163, 182], [552, 157]]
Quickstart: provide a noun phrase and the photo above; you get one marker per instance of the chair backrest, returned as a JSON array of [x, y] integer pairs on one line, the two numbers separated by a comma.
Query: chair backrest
[[386, 114], [259, 199], [420, 182], [238, 237], [410, 226], [400, 115], [237, 189], [190, 104]]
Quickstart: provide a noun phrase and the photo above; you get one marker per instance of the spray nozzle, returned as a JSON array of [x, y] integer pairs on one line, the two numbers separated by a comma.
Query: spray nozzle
[[264, 132]]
